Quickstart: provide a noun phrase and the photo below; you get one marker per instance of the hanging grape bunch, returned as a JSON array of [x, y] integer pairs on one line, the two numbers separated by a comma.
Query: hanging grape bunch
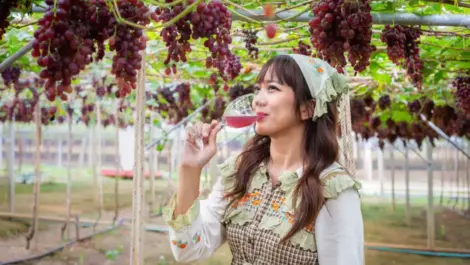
[[341, 26], [302, 48], [72, 32], [239, 90], [5, 9], [385, 102], [212, 21], [445, 117], [11, 75], [414, 106], [461, 87], [402, 48], [250, 40], [428, 108], [463, 125]]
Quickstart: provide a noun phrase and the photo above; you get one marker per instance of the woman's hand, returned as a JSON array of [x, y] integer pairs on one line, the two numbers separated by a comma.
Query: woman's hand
[[195, 156]]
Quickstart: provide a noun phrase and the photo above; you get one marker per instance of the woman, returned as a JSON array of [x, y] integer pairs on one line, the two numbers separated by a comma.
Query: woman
[[285, 199]]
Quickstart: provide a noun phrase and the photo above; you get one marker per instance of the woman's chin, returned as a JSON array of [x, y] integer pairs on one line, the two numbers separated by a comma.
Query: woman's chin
[[261, 130]]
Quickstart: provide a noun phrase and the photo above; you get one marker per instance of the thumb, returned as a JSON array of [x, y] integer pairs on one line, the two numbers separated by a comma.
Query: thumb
[[213, 135]]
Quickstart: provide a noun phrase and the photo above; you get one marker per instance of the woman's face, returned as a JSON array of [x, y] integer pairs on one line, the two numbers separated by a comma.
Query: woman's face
[[275, 103]]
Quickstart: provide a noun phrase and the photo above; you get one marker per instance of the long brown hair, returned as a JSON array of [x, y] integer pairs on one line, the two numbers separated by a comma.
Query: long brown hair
[[320, 147]]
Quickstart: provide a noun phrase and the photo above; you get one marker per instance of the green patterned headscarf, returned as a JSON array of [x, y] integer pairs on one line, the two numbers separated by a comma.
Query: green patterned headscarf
[[324, 82], [326, 85]]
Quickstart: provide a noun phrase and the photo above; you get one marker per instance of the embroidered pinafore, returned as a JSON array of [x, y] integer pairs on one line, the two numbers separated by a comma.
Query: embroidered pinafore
[[256, 223]]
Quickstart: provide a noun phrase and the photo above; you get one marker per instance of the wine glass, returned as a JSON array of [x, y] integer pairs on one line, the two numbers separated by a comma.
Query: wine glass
[[238, 114]]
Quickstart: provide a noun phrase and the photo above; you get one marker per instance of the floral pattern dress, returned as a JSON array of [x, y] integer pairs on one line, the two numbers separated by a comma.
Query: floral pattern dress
[[255, 224]]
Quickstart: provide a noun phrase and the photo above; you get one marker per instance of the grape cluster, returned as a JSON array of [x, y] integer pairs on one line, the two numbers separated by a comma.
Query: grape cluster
[[173, 103], [5, 9], [462, 93], [428, 108], [11, 75], [402, 48], [445, 117], [385, 102], [212, 21], [250, 42], [128, 41], [303, 48], [395, 39], [21, 108], [414, 106], [341, 26], [239, 90], [463, 126], [101, 88], [72, 32]]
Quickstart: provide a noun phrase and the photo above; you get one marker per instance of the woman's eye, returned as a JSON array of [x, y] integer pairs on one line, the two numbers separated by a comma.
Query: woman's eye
[[273, 88]]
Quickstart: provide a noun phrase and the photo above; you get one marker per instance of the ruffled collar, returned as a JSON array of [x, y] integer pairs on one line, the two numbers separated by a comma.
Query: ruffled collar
[[288, 181]]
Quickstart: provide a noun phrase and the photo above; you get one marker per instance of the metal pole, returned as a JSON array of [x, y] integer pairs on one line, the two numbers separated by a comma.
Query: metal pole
[[430, 212], [444, 135], [377, 18], [392, 164], [380, 167], [407, 187], [11, 165], [8, 61]]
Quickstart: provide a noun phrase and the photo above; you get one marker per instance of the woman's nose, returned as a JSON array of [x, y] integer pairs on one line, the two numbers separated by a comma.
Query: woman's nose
[[259, 100]]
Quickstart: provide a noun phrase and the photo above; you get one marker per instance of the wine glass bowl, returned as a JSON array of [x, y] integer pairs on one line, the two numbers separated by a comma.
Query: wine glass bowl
[[239, 113]]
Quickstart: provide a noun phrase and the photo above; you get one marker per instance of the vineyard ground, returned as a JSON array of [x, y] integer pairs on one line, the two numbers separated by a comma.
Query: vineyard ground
[[382, 225]]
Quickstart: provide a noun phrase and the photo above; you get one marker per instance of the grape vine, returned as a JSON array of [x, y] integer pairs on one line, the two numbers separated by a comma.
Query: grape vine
[[341, 26]]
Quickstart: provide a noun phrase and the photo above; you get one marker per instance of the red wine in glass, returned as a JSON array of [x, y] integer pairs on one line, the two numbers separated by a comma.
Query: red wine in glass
[[240, 121]]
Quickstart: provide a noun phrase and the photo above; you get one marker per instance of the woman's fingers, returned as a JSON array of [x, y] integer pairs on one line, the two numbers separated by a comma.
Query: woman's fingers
[[213, 135]]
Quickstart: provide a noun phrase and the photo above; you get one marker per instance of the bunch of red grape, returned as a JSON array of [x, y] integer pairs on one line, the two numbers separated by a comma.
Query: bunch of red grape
[[428, 108], [5, 9], [358, 111], [414, 106], [128, 41], [341, 26], [11, 75], [215, 111], [71, 32], [385, 102], [250, 42], [239, 90], [395, 39], [375, 123], [462, 93], [402, 43], [212, 21], [463, 125], [303, 48], [173, 103], [445, 117], [101, 88]]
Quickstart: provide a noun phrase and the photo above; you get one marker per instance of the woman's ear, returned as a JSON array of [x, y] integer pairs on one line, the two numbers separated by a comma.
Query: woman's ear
[[306, 109]]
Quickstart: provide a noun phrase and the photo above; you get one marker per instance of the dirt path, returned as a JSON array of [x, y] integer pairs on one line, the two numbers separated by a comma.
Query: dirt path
[[49, 237]]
